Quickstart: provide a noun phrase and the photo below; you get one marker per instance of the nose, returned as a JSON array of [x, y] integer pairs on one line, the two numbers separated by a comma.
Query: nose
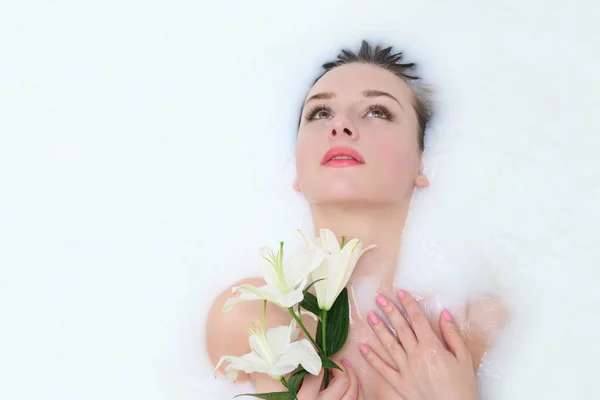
[[343, 127]]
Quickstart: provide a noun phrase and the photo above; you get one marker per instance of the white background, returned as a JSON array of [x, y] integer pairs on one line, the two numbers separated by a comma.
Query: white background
[[146, 151]]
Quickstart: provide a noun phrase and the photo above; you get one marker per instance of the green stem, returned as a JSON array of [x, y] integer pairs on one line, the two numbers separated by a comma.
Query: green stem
[[299, 321], [324, 330], [324, 338]]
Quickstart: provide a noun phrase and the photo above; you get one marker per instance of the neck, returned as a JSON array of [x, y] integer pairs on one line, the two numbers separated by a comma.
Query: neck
[[381, 225]]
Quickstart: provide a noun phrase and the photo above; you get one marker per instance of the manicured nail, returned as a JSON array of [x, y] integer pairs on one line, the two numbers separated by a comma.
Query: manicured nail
[[382, 301], [401, 294], [373, 317], [346, 363], [447, 315], [363, 349]]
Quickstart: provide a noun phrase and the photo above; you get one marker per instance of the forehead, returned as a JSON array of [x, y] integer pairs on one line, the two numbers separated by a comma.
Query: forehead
[[352, 79]]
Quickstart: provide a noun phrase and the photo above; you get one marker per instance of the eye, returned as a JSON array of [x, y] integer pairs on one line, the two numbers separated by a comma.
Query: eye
[[319, 112], [379, 111], [377, 114]]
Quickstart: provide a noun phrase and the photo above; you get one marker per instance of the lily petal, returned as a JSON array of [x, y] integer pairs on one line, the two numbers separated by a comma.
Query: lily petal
[[248, 292], [347, 259], [273, 353], [320, 275], [266, 292], [336, 268], [294, 330], [301, 264], [306, 312], [279, 339], [254, 360], [329, 241], [260, 347], [335, 278], [230, 373], [307, 240], [301, 352], [248, 363]]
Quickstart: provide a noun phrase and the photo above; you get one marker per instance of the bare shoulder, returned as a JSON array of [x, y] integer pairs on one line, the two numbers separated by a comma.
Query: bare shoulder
[[486, 316], [227, 332]]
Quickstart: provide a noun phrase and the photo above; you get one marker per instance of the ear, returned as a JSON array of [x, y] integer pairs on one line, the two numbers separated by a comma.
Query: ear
[[421, 181], [296, 185]]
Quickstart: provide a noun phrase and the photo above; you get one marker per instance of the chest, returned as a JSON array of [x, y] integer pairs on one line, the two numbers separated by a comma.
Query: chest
[[374, 386]]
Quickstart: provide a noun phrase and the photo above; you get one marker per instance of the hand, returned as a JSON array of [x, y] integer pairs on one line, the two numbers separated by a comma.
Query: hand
[[424, 368], [344, 386]]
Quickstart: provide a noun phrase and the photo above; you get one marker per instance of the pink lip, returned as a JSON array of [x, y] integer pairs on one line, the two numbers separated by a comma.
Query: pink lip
[[356, 158]]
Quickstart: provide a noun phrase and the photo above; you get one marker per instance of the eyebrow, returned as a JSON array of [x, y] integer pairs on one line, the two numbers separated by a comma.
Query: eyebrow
[[366, 93]]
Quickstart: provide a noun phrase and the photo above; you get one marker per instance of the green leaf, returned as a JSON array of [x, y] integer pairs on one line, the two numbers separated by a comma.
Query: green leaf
[[310, 303], [327, 363], [338, 324], [271, 396], [295, 380], [284, 383]]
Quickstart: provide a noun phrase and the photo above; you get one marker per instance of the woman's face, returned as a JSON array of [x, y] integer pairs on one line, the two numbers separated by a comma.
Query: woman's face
[[362, 115]]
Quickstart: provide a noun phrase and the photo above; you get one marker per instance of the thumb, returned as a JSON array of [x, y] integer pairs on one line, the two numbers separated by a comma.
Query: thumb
[[311, 385], [452, 337]]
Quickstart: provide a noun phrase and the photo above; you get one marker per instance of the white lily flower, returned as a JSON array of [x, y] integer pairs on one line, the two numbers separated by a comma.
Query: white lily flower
[[274, 352], [337, 266], [285, 281]]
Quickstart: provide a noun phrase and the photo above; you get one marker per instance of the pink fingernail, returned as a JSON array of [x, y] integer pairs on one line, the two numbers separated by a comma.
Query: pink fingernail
[[382, 301], [373, 317], [401, 294], [363, 349], [346, 363], [447, 315]]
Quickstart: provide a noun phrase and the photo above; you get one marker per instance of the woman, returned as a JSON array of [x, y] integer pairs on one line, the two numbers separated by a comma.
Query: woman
[[359, 158]]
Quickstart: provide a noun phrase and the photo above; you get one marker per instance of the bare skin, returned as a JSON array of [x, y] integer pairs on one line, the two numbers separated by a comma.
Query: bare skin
[[346, 108], [222, 341]]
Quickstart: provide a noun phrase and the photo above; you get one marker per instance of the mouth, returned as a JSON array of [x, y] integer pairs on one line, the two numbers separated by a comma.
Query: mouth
[[342, 157]]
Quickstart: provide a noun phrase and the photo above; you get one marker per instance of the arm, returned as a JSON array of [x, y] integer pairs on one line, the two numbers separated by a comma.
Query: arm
[[485, 318], [227, 335], [227, 332]]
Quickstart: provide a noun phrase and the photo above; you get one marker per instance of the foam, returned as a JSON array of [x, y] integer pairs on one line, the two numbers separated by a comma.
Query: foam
[[146, 155]]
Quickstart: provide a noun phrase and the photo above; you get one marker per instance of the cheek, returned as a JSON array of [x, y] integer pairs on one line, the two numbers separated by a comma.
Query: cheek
[[397, 158], [305, 154]]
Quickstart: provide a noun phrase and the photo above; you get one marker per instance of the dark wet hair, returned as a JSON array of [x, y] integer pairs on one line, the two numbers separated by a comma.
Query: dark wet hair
[[384, 58]]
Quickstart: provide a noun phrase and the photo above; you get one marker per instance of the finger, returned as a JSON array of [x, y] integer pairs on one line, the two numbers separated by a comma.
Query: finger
[[337, 387], [388, 373], [389, 341], [352, 391], [361, 392], [311, 385], [417, 318], [453, 338], [399, 323]]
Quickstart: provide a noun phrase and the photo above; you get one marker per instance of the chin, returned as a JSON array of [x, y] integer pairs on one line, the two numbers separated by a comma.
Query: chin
[[343, 191], [353, 191]]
